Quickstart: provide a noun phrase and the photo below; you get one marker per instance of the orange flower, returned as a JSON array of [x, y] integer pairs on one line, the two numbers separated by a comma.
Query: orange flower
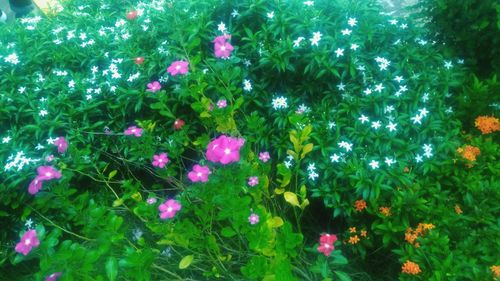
[[469, 152], [410, 267], [458, 210], [495, 269], [363, 233], [360, 205], [487, 124], [406, 170], [354, 239], [386, 211], [352, 229], [412, 235]]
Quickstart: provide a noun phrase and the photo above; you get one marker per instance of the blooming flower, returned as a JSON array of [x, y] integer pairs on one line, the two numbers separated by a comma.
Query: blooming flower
[[326, 242], [222, 49], [222, 103], [61, 144], [199, 173], [411, 268], [253, 219], [353, 239], [160, 160], [169, 208], [280, 103], [386, 211], [35, 185], [133, 130], [28, 242], [53, 276], [138, 60], [154, 87], [339, 52], [264, 156], [487, 124], [316, 38], [224, 149], [469, 152], [253, 181], [47, 173], [178, 124], [178, 67], [132, 15], [352, 22], [360, 205], [374, 164], [296, 42], [151, 200], [247, 85], [391, 127]]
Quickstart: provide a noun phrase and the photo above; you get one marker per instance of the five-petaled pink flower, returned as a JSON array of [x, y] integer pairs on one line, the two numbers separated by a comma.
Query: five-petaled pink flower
[[222, 103], [151, 200], [133, 130], [178, 67], [253, 181], [199, 173], [35, 186], [47, 173], [222, 48], [264, 156], [28, 242], [169, 208], [154, 87], [53, 276], [61, 144], [253, 219], [326, 243], [160, 160], [224, 149]]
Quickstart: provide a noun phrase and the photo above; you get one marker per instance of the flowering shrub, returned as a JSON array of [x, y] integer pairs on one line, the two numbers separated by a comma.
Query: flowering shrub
[[205, 140]]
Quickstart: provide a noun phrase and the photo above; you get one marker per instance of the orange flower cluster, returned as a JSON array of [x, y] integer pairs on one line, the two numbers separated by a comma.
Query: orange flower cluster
[[412, 235], [495, 269], [458, 210], [410, 267], [355, 238], [487, 124], [360, 205], [386, 211], [469, 152]]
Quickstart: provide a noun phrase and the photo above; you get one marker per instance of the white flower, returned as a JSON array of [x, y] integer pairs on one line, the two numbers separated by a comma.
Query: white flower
[[270, 15], [346, 32], [393, 22], [39, 147], [368, 91], [83, 36], [391, 126], [363, 119], [347, 146], [379, 88], [382, 63], [339, 52], [70, 34], [403, 88], [311, 167], [352, 22], [354, 47], [221, 27], [376, 125], [316, 38], [313, 175], [425, 97], [448, 64], [19, 161], [449, 110], [247, 86], [331, 125], [43, 112], [417, 119], [235, 13], [403, 26], [399, 79], [335, 158], [388, 109], [389, 161], [280, 103], [296, 42], [71, 84], [28, 223], [12, 58], [21, 90], [247, 62], [423, 112], [374, 164], [309, 3], [419, 158], [341, 86], [288, 164], [6, 139]]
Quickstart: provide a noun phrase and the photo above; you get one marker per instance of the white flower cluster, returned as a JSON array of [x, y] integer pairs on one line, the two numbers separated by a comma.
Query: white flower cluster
[[280, 103], [18, 161]]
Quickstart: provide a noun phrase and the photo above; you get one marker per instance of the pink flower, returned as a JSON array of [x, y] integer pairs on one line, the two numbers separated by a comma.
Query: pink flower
[[178, 67], [223, 49], [35, 186], [221, 103], [133, 130], [253, 219], [53, 276], [224, 149], [264, 156], [253, 181], [160, 160], [178, 124], [61, 144], [47, 173], [199, 173], [151, 200], [221, 39], [132, 15], [154, 87], [139, 60], [49, 158], [28, 242], [169, 208], [326, 243]]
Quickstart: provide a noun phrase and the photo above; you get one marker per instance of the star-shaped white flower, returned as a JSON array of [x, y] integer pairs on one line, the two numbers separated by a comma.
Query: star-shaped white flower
[[28, 223], [391, 127], [39, 147], [335, 158], [417, 119], [6, 139], [423, 112], [399, 79], [448, 64], [51, 140], [316, 38], [341, 86], [339, 52], [221, 27], [309, 3], [379, 88], [347, 146], [235, 13], [425, 97], [354, 47], [388, 109], [363, 119], [374, 164], [367, 92], [312, 175], [393, 22], [352, 22], [389, 161], [346, 32], [311, 167], [270, 15], [296, 42], [404, 26], [376, 125], [43, 112], [419, 158], [331, 125]]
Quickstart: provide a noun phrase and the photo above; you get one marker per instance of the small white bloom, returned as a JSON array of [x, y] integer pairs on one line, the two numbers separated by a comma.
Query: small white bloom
[[235, 13], [311, 167], [335, 158], [71, 84], [363, 119], [352, 22], [376, 125], [391, 127], [316, 38], [28, 223], [309, 3], [448, 64], [419, 158], [221, 27], [388, 109], [247, 86], [341, 86], [270, 15], [374, 164], [280, 103], [379, 88], [6, 139], [347, 146], [12, 58], [399, 79], [368, 91], [313, 175], [393, 22], [39, 147], [389, 161], [354, 47], [296, 42], [21, 90], [331, 125], [425, 97], [339, 52], [417, 119], [423, 112], [43, 112], [346, 32], [404, 26]]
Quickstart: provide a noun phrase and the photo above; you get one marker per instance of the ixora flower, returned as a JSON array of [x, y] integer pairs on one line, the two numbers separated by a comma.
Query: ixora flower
[[28, 242], [199, 173], [253, 181], [178, 67], [487, 124], [253, 219], [169, 208], [224, 149], [222, 48], [160, 160], [154, 87], [139, 60], [326, 243], [264, 156], [53, 276], [133, 130], [62, 144], [411, 268], [178, 124]]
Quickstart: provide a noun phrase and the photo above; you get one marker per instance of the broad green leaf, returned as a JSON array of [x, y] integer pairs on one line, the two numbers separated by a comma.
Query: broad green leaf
[[291, 198], [186, 262], [112, 268]]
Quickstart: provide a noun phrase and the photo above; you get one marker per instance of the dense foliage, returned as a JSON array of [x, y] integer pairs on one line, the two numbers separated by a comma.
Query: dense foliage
[[241, 140]]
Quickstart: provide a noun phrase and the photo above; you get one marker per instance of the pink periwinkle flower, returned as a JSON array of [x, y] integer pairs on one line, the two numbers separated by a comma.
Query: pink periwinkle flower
[[199, 173], [221, 39], [61, 144], [253, 219], [160, 160], [223, 49], [264, 156], [178, 67], [151, 200], [326, 243], [253, 181], [28, 242], [49, 158], [53, 276], [154, 87], [222, 103], [133, 130], [224, 149], [47, 173], [169, 208], [35, 186]]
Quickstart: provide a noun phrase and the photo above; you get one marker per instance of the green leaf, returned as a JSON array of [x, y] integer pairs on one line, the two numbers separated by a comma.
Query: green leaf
[[112, 268], [186, 262], [342, 276], [228, 232], [112, 174], [291, 198]]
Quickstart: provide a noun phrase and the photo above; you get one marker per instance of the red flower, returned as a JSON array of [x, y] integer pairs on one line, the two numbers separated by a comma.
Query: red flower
[[139, 60], [132, 15], [326, 243], [178, 124]]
